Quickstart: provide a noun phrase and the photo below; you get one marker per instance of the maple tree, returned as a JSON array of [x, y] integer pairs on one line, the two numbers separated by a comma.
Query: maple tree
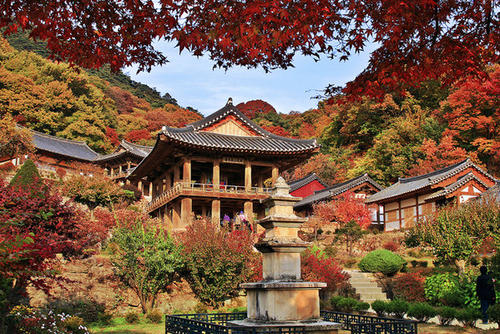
[[472, 115], [415, 40]]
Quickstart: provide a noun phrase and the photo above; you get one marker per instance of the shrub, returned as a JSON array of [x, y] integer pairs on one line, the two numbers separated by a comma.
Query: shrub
[[397, 308], [87, 309], [361, 307], [439, 285], [421, 311], [217, 261], [468, 317], [334, 302], [318, 268], [154, 316], [132, 317], [105, 319], [446, 315], [347, 305], [381, 260], [494, 313], [74, 324], [380, 307], [391, 246], [409, 286]]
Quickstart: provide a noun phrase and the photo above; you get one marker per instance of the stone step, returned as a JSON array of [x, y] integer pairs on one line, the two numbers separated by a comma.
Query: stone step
[[370, 289], [366, 286]]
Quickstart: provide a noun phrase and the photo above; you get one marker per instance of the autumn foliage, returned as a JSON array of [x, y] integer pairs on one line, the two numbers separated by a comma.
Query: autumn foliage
[[342, 210], [217, 261], [318, 268], [415, 40]]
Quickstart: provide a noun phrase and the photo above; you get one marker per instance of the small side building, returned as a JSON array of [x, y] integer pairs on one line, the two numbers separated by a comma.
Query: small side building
[[122, 161], [405, 202], [306, 186], [53, 152], [217, 166], [362, 186]]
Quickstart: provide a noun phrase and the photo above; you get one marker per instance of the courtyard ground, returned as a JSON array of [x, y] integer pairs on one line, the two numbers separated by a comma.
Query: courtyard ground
[[119, 326]]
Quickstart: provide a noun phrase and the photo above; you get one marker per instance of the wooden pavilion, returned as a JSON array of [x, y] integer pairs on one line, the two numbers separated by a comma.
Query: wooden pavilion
[[217, 166]]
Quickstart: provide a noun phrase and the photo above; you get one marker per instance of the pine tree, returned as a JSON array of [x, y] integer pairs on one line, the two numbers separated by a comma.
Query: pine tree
[[26, 175]]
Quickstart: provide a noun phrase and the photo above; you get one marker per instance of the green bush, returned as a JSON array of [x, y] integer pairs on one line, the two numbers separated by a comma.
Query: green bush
[[88, 310], [132, 317], [440, 285], [468, 317], [494, 313], [421, 311], [362, 307], [154, 316], [334, 302], [75, 325], [381, 260], [446, 315], [347, 305], [26, 174], [397, 308], [380, 307]]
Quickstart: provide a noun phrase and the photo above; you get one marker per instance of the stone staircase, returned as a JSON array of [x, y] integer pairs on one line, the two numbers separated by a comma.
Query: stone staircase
[[366, 286]]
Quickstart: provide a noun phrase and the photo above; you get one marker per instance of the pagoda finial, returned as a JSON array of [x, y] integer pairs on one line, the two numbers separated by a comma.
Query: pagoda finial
[[281, 187], [229, 101]]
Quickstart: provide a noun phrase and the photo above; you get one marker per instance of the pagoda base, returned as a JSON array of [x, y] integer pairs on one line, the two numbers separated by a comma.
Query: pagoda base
[[283, 301], [310, 327]]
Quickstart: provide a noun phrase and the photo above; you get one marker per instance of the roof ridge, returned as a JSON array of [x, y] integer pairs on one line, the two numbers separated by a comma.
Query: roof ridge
[[433, 173], [302, 178], [82, 142]]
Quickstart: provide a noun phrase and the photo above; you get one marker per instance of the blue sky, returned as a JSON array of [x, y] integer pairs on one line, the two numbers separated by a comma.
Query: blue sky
[[192, 81]]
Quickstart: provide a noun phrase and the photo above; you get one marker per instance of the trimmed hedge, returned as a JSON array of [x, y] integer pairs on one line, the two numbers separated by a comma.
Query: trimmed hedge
[[421, 311], [348, 305], [383, 261]]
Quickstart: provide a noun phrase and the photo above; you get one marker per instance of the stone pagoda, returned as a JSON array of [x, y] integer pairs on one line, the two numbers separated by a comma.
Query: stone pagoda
[[282, 298]]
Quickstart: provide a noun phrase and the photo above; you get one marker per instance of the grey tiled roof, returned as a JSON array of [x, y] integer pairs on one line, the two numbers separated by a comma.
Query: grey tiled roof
[[456, 185], [410, 184], [265, 143], [336, 189], [493, 192], [296, 184], [69, 148], [139, 151]]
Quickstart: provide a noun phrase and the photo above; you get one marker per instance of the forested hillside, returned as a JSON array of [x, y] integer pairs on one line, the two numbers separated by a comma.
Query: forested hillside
[[98, 107], [429, 128]]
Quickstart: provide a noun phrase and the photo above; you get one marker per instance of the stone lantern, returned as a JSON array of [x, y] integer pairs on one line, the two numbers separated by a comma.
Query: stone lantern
[[282, 298]]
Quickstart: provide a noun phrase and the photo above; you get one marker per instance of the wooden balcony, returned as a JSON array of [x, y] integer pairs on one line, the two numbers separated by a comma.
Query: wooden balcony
[[206, 190]]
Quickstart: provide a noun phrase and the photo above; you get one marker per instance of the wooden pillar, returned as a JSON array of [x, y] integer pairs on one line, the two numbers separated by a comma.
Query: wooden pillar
[[275, 174], [204, 211], [176, 215], [216, 174], [128, 165], [186, 171], [177, 174], [248, 176], [248, 210], [151, 189], [139, 186], [216, 211], [120, 169], [168, 181], [186, 211], [400, 218]]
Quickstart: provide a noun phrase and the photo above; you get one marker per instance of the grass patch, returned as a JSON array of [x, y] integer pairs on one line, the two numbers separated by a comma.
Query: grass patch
[[120, 326]]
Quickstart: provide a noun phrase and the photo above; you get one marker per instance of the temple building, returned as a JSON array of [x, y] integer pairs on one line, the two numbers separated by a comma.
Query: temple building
[[215, 167], [53, 152], [306, 186], [122, 161], [405, 202], [362, 187]]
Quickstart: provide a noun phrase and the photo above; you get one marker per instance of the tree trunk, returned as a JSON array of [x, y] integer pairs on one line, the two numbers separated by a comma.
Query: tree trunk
[[460, 266]]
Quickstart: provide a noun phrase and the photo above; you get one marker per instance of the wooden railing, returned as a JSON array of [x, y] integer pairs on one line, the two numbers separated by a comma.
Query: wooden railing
[[179, 187]]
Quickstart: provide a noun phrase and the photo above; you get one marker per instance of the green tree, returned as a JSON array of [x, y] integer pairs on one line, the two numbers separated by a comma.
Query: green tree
[[27, 174], [146, 260], [455, 234]]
